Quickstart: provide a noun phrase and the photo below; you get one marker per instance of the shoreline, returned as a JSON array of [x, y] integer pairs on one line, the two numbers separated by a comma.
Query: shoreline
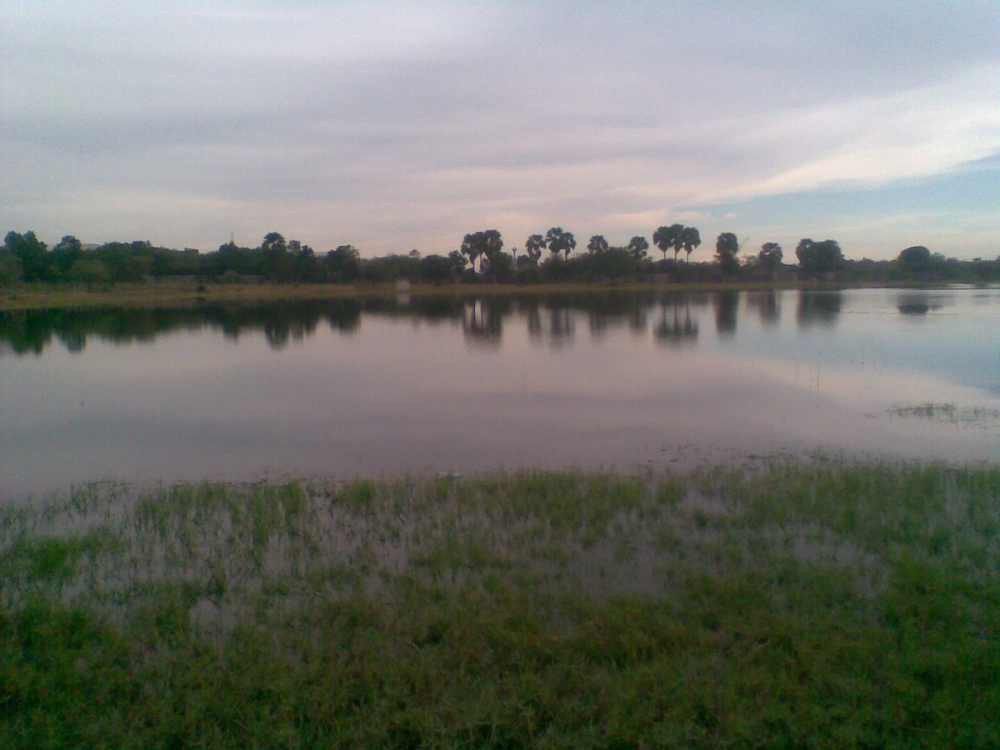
[[153, 294]]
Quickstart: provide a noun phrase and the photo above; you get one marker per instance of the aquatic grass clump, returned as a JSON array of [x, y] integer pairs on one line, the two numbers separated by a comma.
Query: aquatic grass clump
[[977, 416], [823, 602]]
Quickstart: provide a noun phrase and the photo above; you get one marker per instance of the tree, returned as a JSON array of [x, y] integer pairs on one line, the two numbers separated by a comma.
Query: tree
[[690, 238], [533, 246], [128, 262], [274, 252], [568, 243], [559, 241], [435, 269], [10, 269], [66, 253], [616, 262], [471, 250], [305, 265], [343, 264], [69, 243], [274, 243], [668, 238], [819, 258], [597, 245], [500, 266], [89, 272], [726, 248], [30, 252], [914, 258], [638, 247], [769, 257], [486, 245], [458, 262]]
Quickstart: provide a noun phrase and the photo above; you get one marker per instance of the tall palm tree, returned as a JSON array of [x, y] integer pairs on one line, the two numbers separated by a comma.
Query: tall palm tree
[[568, 243], [533, 246], [666, 238], [482, 245], [559, 241], [471, 249], [690, 239], [597, 244], [638, 247]]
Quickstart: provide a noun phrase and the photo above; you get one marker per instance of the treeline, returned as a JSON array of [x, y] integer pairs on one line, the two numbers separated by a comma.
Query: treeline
[[551, 257]]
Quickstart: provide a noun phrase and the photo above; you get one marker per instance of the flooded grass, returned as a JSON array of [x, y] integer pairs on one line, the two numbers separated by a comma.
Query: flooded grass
[[781, 602], [979, 416]]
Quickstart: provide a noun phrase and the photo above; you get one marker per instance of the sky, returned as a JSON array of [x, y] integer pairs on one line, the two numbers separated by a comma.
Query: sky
[[401, 125]]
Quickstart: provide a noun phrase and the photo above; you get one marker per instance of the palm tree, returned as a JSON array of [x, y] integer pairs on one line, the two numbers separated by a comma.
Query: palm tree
[[481, 245], [666, 238], [690, 239], [560, 241], [533, 246], [638, 247], [568, 243], [597, 245], [471, 249]]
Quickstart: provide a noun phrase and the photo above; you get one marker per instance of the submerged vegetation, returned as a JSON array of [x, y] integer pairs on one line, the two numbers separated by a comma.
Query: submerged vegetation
[[783, 602], [975, 415]]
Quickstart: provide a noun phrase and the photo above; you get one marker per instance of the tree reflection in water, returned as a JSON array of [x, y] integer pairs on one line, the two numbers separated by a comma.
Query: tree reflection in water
[[31, 331], [727, 305], [767, 307], [532, 310], [915, 303], [677, 327], [482, 322], [561, 328], [819, 308], [549, 318]]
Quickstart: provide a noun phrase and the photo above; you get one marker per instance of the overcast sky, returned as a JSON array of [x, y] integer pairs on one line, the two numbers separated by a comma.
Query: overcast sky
[[405, 125]]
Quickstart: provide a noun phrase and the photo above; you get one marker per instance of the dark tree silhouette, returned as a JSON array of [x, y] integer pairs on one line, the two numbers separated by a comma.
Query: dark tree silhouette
[[559, 241], [597, 245], [638, 247], [915, 258], [689, 238], [819, 258], [30, 253], [769, 257], [484, 245], [668, 238], [343, 264], [534, 245], [726, 248]]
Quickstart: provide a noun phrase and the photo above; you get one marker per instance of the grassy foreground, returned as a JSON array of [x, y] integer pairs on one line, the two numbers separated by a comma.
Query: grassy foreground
[[785, 603]]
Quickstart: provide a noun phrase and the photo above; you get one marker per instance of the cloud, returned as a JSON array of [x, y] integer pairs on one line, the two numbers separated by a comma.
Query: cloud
[[905, 134], [391, 125]]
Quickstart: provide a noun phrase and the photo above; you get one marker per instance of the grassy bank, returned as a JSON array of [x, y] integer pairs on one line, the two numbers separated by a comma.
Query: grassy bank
[[784, 603], [45, 296]]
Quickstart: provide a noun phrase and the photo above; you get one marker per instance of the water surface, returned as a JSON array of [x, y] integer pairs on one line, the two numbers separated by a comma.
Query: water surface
[[446, 384]]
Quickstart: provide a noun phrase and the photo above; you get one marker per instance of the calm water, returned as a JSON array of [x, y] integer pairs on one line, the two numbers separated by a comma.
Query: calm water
[[427, 385]]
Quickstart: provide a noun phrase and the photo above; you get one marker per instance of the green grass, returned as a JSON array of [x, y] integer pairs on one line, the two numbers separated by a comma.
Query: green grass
[[780, 603]]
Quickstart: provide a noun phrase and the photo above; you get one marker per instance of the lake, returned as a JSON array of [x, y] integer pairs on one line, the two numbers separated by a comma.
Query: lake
[[449, 384]]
